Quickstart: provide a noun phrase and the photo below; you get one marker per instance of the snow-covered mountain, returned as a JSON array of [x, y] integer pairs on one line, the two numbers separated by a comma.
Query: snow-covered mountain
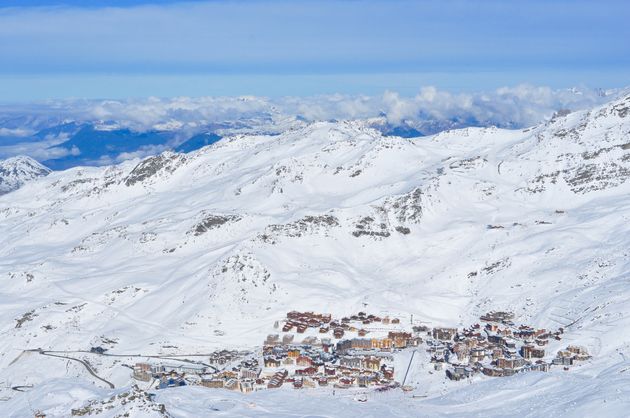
[[201, 251], [16, 171], [69, 133]]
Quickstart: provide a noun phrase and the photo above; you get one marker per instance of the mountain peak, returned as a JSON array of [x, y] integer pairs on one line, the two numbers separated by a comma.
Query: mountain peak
[[16, 171]]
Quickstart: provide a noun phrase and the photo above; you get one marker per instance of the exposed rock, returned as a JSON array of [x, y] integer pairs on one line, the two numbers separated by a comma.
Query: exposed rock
[[367, 226], [307, 225], [166, 162], [210, 222]]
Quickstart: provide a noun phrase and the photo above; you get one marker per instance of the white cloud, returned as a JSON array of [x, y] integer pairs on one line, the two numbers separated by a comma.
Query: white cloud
[[16, 132], [521, 105], [428, 110]]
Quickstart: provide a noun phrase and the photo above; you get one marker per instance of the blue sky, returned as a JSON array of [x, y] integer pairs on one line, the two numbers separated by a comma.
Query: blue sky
[[296, 47]]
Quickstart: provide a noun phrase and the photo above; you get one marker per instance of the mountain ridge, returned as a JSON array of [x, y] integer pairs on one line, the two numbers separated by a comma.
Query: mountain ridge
[[206, 249]]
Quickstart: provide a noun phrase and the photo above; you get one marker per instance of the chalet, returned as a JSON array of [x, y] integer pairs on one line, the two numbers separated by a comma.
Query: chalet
[[309, 382], [294, 315], [444, 334], [351, 362], [171, 382], [458, 373], [309, 371], [580, 351], [541, 342], [496, 339], [304, 361], [399, 339], [360, 343], [363, 380], [362, 332], [142, 371], [381, 343], [529, 351], [212, 383], [301, 328], [338, 333], [395, 321], [324, 329], [310, 341], [372, 363], [491, 371], [511, 363], [260, 384], [271, 362], [249, 373], [313, 323], [496, 353], [499, 316], [272, 339], [477, 354], [539, 366], [563, 361], [277, 379], [492, 327], [388, 372], [294, 352], [420, 328], [231, 384]]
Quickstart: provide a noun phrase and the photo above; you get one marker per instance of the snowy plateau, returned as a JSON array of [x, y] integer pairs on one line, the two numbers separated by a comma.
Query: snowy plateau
[[199, 252]]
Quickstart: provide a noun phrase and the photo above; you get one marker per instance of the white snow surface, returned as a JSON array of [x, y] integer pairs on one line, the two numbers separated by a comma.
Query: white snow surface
[[196, 252]]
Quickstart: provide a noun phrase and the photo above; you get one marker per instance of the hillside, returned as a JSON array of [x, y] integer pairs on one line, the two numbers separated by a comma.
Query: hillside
[[202, 251]]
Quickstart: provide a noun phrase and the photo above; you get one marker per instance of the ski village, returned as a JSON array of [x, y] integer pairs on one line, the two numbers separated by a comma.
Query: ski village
[[310, 350]]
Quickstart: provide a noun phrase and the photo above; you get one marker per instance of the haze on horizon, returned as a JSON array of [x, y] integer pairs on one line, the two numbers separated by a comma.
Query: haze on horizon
[[125, 48]]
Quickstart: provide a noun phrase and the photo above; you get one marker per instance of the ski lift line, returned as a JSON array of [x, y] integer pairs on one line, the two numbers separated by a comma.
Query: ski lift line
[[408, 367]]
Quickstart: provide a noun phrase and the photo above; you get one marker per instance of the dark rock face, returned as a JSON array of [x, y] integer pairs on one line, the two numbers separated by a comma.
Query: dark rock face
[[213, 222], [305, 226], [403, 230], [367, 226], [408, 208], [151, 166]]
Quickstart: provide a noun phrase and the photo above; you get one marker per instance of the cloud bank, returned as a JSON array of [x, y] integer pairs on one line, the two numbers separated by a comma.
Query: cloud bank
[[426, 112], [519, 106]]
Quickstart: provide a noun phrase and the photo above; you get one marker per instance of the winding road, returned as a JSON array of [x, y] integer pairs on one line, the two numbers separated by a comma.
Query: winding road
[[84, 363]]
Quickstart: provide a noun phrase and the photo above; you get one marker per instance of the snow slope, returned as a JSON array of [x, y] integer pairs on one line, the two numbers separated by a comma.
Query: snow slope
[[193, 252]]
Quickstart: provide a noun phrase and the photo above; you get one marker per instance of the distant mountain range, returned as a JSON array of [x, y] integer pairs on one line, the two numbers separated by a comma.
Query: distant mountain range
[[62, 135]]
